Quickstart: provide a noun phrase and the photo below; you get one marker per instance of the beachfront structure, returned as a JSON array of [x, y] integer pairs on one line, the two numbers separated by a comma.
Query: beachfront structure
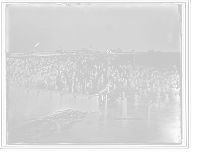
[[86, 51], [151, 51], [61, 51], [71, 51], [46, 53], [14, 54], [115, 51], [17, 54], [74, 51], [82, 51]]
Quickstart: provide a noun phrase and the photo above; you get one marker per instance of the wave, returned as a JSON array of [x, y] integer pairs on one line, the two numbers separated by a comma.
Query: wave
[[44, 127]]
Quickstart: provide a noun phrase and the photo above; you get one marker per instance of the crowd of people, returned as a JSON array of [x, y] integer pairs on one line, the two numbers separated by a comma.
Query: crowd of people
[[139, 82], [89, 74], [63, 73]]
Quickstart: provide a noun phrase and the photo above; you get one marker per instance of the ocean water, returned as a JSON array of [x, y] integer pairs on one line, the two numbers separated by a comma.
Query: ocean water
[[69, 127]]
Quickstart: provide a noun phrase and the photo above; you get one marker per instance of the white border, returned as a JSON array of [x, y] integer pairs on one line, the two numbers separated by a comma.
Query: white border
[[112, 145], [187, 70]]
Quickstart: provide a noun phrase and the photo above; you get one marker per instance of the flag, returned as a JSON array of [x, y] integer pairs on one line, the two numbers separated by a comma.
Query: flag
[[37, 44]]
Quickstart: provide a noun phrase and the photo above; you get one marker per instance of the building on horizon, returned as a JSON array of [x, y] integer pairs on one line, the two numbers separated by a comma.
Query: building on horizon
[[46, 53], [61, 51], [86, 51], [151, 51]]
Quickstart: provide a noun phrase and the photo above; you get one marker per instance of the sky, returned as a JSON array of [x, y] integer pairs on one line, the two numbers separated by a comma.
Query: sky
[[130, 27]]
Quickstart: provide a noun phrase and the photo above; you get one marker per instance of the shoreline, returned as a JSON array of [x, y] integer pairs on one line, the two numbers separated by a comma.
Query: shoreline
[[99, 54]]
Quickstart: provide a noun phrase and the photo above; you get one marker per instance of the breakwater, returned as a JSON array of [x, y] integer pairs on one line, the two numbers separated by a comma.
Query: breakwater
[[39, 103]]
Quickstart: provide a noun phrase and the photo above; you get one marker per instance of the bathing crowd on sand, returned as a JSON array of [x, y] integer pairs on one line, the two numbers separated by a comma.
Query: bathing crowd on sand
[[85, 72]]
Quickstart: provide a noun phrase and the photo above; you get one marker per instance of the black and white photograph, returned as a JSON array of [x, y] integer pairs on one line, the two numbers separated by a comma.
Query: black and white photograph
[[103, 74]]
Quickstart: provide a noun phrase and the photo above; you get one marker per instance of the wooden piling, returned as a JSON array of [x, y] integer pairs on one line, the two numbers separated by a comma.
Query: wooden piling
[[108, 75], [58, 127], [72, 88], [93, 103], [70, 100], [89, 103], [60, 104], [82, 103], [85, 83], [106, 101], [97, 103], [62, 100], [102, 96], [77, 103], [124, 108], [74, 101], [122, 104], [149, 109], [123, 95]]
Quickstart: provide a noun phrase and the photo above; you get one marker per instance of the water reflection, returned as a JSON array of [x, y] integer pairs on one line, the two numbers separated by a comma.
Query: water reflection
[[124, 123], [105, 122]]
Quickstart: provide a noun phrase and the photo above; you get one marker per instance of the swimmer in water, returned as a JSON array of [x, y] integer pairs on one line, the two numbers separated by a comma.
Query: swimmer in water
[[102, 96], [166, 97], [158, 95]]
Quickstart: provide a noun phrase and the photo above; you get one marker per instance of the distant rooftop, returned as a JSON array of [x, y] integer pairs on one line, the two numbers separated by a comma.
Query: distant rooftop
[[45, 52]]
